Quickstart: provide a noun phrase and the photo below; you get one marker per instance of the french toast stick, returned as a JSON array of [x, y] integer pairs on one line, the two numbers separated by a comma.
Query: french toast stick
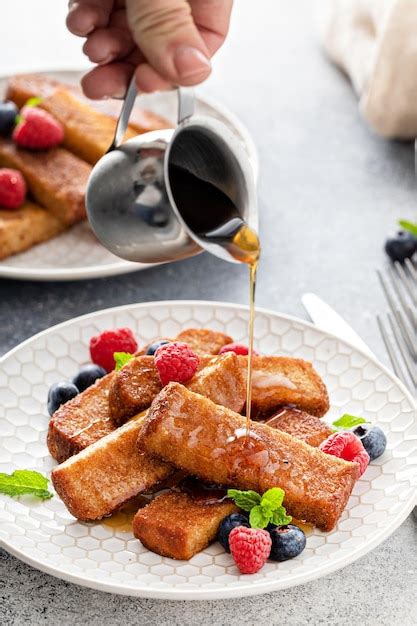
[[301, 425], [56, 178], [81, 478], [178, 526], [88, 131], [204, 340], [220, 378], [81, 421], [87, 418], [207, 440], [22, 228], [280, 380], [107, 474], [134, 386]]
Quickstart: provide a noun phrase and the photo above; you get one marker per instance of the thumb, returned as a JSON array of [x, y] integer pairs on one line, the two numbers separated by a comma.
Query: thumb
[[166, 34]]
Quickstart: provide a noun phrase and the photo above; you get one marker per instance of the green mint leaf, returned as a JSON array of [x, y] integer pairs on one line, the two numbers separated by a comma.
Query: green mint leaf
[[349, 421], [263, 510], [121, 358], [257, 517], [245, 500], [280, 517], [273, 498], [33, 102], [408, 226], [18, 119], [25, 481]]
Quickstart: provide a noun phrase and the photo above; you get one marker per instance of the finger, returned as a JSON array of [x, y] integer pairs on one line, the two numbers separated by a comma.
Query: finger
[[165, 32], [148, 80], [86, 15], [107, 81], [108, 44], [213, 20]]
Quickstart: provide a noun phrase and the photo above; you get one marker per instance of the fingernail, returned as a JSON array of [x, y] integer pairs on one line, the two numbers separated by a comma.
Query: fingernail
[[107, 59], [80, 21], [190, 62]]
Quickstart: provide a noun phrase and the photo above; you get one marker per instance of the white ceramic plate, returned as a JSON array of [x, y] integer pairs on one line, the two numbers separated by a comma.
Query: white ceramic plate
[[77, 254], [46, 536]]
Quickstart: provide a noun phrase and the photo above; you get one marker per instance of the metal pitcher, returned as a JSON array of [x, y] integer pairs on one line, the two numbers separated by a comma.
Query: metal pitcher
[[130, 203]]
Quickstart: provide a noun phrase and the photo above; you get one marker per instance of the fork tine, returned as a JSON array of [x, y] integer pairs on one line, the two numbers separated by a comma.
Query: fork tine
[[408, 362], [406, 282], [413, 271], [399, 315], [390, 349]]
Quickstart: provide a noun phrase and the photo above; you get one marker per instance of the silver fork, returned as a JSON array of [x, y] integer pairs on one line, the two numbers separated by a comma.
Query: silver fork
[[399, 284]]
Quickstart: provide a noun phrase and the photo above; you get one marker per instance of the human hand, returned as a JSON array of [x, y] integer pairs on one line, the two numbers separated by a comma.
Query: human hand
[[164, 42]]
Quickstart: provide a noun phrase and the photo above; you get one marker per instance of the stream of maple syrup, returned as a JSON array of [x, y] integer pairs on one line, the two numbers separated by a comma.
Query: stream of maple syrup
[[245, 247]]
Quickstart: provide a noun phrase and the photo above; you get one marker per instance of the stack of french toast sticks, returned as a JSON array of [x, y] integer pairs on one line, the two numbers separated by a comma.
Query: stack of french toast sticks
[[126, 435], [56, 178]]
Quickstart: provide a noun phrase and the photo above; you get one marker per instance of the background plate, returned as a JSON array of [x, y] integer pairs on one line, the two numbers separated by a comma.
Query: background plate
[[46, 536], [77, 254]]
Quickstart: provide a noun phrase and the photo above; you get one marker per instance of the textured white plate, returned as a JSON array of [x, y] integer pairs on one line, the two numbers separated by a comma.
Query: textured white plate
[[77, 254], [46, 536]]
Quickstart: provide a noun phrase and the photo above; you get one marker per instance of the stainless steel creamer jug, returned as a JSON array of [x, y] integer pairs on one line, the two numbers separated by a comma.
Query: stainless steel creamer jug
[[135, 201]]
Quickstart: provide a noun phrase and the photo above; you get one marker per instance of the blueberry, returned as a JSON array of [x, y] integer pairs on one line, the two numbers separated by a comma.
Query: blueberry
[[227, 525], [373, 439], [8, 112], [401, 247], [287, 542], [59, 393], [87, 375], [154, 346]]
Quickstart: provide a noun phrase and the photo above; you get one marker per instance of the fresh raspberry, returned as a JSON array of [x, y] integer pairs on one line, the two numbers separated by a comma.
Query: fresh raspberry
[[37, 130], [250, 548], [103, 347], [12, 188], [347, 446], [176, 361], [237, 348]]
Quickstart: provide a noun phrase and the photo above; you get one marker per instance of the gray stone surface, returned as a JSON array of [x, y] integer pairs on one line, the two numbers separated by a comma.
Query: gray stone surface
[[329, 193]]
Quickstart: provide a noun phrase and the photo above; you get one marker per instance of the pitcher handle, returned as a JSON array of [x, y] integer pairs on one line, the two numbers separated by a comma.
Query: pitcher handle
[[186, 105], [124, 116]]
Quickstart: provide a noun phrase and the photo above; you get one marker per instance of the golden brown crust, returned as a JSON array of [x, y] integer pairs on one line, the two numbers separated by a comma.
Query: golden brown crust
[[301, 425], [81, 421], [135, 386], [56, 178], [22, 228], [205, 439], [220, 378], [177, 526], [291, 381], [88, 132], [103, 477], [204, 340]]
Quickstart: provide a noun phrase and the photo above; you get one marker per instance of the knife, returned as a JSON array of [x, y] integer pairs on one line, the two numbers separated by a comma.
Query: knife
[[327, 319]]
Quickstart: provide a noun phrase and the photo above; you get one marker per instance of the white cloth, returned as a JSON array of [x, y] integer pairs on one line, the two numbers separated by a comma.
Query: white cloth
[[375, 43]]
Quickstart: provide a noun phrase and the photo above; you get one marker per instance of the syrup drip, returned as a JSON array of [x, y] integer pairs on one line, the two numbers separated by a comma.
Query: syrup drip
[[122, 519], [306, 527], [245, 247]]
